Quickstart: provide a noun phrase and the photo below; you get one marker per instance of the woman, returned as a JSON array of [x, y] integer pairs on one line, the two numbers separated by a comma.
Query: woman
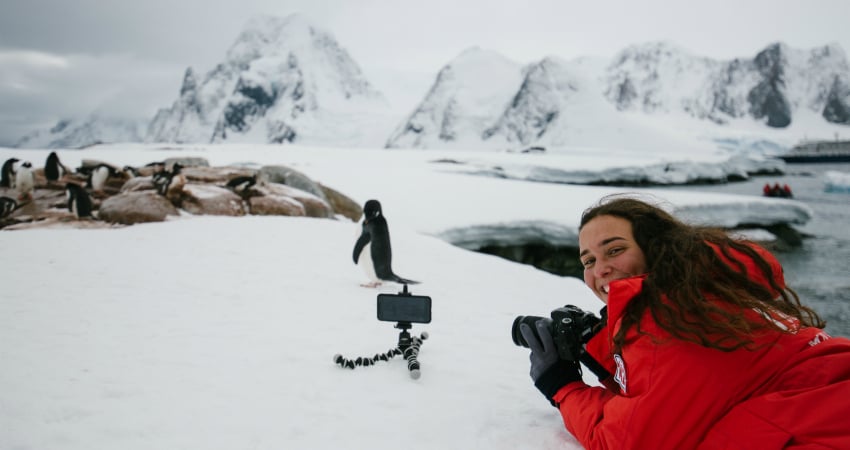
[[708, 347]]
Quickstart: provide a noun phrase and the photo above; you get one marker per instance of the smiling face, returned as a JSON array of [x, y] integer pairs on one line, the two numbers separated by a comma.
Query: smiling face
[[608, 252]]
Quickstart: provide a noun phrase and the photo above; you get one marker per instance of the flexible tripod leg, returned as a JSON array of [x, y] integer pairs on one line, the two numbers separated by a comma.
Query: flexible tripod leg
[[364, 360], [409, 347], [411, 354]]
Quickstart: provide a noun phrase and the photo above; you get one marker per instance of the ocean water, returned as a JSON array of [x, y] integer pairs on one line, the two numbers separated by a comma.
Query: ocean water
[[819, 271]]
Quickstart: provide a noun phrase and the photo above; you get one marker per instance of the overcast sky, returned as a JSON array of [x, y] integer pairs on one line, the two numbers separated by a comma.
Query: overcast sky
[[70, 58]]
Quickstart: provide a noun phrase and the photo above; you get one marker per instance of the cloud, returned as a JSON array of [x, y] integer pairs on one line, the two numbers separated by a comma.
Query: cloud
[[39, 88], [32, 58]]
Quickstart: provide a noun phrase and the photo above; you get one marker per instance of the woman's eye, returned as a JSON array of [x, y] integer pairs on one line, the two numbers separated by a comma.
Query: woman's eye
[[615, 250], [587, 262]]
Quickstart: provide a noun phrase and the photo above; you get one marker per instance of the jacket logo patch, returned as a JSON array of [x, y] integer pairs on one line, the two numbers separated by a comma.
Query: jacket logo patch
[[620, 374], [822, 336]]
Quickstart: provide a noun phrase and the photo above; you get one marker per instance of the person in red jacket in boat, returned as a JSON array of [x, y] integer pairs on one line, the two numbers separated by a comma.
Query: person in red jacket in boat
[[707, 346]]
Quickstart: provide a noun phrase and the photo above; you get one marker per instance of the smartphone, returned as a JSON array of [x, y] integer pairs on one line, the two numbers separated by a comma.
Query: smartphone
[[404, 308]]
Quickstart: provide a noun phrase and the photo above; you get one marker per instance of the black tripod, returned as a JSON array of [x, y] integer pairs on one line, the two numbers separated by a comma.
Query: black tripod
[[407, 345]]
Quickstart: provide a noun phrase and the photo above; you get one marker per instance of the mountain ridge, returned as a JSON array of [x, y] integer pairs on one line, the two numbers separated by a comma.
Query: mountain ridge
[[285, 80]]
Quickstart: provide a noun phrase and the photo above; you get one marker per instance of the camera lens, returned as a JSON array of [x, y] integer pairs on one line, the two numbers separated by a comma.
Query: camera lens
[[516, 334]]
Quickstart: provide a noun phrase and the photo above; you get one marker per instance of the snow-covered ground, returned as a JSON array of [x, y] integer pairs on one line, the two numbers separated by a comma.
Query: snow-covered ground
[[219, 333]]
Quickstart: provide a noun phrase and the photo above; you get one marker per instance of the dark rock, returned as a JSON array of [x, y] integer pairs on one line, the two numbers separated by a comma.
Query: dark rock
[[313, 205], [767, 98], [342, 204], [275, 205], [837, 107], [290, 177], [216, 175], [136, 207], [138, 184], [203, 199]]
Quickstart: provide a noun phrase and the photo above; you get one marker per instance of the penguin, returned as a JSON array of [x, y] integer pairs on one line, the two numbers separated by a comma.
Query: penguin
[[53, 168], [8, 176], [372, 250], [170, 183], [25, 181], [241, 184], [155, 167], [8, 205], [79, 202], [98, 176], [132, 172]]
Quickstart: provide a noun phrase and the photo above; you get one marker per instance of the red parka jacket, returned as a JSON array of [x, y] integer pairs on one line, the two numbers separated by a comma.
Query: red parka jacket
[[793, 392]]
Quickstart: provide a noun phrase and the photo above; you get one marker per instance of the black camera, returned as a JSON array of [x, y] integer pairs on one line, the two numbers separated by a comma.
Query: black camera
[[404, 307], [571, 329]]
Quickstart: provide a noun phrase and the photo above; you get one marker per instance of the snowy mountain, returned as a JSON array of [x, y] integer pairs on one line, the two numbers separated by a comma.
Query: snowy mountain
[[778, 82], [283, 80], [95, 129], [588, 102], [463, 102], [552, 103]]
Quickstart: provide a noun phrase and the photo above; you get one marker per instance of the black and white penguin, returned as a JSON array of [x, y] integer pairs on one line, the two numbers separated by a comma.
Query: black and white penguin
[[241, 184], [164, 178], [170, 183], [372, 250], [7, 179], [79, 202], [132, 172], [8, 205], [155, 167], [98, 177], [25, 181], [53, 168]]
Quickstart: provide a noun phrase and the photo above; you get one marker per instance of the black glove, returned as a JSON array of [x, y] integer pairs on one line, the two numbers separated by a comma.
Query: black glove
[[549, 372]]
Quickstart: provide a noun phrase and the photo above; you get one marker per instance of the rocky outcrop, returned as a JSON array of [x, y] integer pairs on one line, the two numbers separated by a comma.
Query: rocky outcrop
[[767, 99], [136, 207], [341, 204], [202, 190], [314, 206], [837, 108], [272, 205], [205, 199]]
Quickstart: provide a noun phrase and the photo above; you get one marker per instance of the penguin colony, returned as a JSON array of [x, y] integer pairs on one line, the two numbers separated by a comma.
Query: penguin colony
[[93, 181], [372, 250], [80, 186], [181, 182], [20, 176]]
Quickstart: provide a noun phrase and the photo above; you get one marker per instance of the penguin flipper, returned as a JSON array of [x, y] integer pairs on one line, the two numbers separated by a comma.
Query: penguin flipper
[[359, 245]]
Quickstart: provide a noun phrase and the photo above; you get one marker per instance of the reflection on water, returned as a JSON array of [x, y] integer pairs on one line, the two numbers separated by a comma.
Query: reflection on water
[[820, 270], [819, 273]]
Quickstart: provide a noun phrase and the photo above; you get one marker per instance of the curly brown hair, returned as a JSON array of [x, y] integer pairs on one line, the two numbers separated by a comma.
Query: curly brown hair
[[684, 271]]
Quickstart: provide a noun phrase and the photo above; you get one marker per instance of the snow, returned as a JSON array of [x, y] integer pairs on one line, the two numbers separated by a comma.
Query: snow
[[219, 333], [836, 181], [466, 98]]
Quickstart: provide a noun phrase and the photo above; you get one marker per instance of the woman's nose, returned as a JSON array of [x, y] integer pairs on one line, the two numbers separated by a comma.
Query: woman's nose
[[601, 268]]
